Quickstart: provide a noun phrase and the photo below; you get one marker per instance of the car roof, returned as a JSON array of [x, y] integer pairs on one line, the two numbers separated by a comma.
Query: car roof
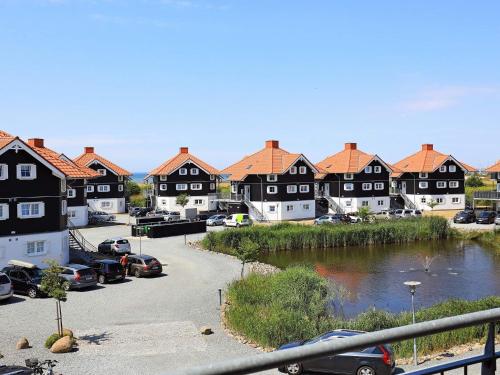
[[143, 256], [76, 266], [106, 261]]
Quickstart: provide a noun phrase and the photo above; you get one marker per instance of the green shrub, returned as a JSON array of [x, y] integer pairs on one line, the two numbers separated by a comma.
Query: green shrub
[[51, 340], [137, 201]]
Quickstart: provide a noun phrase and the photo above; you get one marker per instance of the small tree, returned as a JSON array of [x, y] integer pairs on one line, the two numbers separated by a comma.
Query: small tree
[[54, 286], [474, 181], [182, 200], [247, 251], [132, 188], [364, 213], [432, 203]]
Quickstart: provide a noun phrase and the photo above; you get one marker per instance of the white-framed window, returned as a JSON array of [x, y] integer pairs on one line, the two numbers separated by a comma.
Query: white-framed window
[[212, 177], [4, 211], [103, 188], [163, 177], [442, 169], [367, 186], [452, 168], [63, 185], [455, 200], [71, 214], [423, 200], [64, 207], [163, 201], [4, 171], [26, 171], [181, 187], [120, 187], [368, 169], [212, 186], [291, 189], [440, 200], [423, 185], [34, 248], [234, 188], [293, 170], [302, 170], [183, 171], [163, 187], [71, 193], [306, 207], [120, 178], [453, 184], [273, 189], [349, 186], [377, 169], [272, 177], [379, 186], [106, 204], [364, 203], [423, 175], [30, 210], [196, 186], [348, 176], [90, 188], [289, 207], [441, 184], [380, 202], [304, 188], [272, 208], [348, 203], [195, 171], [198, 202], [102, 171]]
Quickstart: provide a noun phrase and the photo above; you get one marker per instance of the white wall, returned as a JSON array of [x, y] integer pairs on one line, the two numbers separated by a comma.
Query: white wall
[[81, 217], [168, 203], [281, 213], [15, 248], [353, 204], [446, 205], [117, 205]]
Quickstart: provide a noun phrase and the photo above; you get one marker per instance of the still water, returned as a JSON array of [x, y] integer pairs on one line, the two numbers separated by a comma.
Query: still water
[[374, 276]]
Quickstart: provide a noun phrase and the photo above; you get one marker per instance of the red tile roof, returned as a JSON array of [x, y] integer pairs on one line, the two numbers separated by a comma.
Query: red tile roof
[[5, 138], [89, 156], [270, 160], [494, 168], [425, 161], [178, 160]]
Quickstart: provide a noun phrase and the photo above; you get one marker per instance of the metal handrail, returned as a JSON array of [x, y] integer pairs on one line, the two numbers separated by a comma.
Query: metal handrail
[[78, 237], [267, 361]]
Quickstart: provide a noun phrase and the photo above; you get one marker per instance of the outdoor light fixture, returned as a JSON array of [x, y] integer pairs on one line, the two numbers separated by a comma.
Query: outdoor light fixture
[[412, 286]]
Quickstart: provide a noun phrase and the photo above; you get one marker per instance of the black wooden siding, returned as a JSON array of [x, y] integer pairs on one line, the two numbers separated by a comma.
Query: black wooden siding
[[110, 179], [80, 187]]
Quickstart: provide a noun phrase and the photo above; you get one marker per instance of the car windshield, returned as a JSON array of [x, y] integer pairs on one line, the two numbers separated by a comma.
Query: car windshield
[[149, 261], [122, 242], [484, 214], [35, 273], [4, 279]]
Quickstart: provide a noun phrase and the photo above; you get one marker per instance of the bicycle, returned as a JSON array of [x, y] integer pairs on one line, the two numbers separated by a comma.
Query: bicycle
[[41, 368]]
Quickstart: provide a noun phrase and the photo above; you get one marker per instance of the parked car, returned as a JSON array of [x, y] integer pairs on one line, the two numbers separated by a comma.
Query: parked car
[[203, 216], [6, 290], [464, 217], [25, 277], [375, 360], [237, 220], [328, 219], [108, 270], [77, 276], [96, 217], [403, 213], [114, 246], [171, 216], [385, 215], [216, 220], [352, 218], [133, 211], [416, 213], [497, 219], [486, 217], [142, 212], [143, 265]]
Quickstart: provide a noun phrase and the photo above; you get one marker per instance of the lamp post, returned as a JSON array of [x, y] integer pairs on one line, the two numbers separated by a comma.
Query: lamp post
[[412, 286]]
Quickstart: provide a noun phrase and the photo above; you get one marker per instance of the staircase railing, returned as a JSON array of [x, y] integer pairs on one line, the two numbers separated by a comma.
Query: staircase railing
[[408, 202], [259, 215], [334, 205], [80, 239]]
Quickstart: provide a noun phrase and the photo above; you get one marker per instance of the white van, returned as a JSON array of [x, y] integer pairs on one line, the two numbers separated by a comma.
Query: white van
[[237, 220]]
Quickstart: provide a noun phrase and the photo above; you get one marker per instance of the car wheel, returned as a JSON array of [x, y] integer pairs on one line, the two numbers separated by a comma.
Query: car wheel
[[294, 369], [137, 273], [32, 293], [365, 370], [102, 279]]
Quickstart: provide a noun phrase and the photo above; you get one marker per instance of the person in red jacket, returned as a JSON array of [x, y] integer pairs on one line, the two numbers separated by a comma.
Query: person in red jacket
[[124, 263]]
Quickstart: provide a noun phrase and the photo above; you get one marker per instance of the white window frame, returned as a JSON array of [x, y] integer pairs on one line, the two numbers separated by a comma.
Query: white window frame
[[293, 170], [102, 171], [423, 200], [442, 169], [272, 177], [272, 187], [63, 185], [90, 188], [455, 200], [365, 203], [348, 176], [234, 188], [423, 175], [423, 184], [212, 177], [452, 168], [379, 186], [181, 187], [31, 215], [380, 202], [441, 184], [349, 186], [163, 177], [120, 178], [368, 169], [306, 206], [32, 175], [272, 208], [198, 202], [289, 208], [348, 203], [291, 189], [440, 200], [71, 193], [64, 207], [453, 184], [4, 172], [4, 211], [367, 186], [196, 186], [183, 171], [304, 189], [106, 204], [377, 169], [302, 169], [212, 186], [194, 171], [120, 187], [163, 187], [71, 214], [103, 188], [39, 248]]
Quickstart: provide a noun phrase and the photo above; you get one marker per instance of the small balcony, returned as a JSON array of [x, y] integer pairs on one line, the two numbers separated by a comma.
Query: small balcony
[[487, 195]]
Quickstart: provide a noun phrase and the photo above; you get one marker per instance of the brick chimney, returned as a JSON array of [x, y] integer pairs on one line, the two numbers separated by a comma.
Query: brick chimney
[[36, 142], [350, 146], [184, 150], [272, 144], [89, 150], [427, 147]]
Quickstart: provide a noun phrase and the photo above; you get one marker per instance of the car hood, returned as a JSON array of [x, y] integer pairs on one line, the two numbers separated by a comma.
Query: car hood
[[291, 345]]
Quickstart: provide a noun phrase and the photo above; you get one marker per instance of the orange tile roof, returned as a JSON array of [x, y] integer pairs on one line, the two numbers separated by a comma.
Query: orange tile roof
[[270, 160], [4, 134], [494, 167], [349, 160], [89, 156], [425, 161], [5, 138], [178, 160]]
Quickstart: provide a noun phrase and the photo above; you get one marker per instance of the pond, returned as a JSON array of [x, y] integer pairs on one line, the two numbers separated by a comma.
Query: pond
[[374, 276]]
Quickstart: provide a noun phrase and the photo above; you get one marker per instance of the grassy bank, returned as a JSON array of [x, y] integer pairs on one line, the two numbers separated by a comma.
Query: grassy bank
[[288, 236], [487, 238], [292, 305]]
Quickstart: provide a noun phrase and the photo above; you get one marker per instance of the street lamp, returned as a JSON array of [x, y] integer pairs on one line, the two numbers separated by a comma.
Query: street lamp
[[412, 286]]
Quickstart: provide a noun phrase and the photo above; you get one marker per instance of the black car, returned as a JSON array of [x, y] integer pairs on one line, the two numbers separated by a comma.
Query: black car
[[141, 212], [143, 265], [25, 277], [108, 270], [464, 217], [486, 217], [375, 360]]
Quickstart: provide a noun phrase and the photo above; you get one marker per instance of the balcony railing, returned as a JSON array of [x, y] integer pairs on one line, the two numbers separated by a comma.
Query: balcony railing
[[487, 195]]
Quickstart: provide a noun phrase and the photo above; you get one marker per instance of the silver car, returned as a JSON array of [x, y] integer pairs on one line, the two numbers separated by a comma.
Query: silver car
[[115, 246], [216, 220], [327, 219], [100, 217], [77, 276], [497, 219], [6, 290], [384, 214]]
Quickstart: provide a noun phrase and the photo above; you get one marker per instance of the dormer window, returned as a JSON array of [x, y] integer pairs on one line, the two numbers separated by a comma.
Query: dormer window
[[368, 169], [4, 171], [377, 169], [293, 170], [183, 171], [348, 176], [423, 175], [302, 170], [102, 171], [442, 169], [272, 177], [26, 171], [163, 178], [195, 171]]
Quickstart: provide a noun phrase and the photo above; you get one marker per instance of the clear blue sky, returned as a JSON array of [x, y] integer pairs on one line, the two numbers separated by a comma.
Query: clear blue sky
[[138, 79]]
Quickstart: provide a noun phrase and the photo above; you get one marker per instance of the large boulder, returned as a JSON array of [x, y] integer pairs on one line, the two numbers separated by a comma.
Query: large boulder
[[206, 330], [63, 345], [23, 343]]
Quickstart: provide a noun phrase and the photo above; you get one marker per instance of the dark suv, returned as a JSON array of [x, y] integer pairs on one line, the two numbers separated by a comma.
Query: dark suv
[[464, 217], [143, 265], [375, 360], [486, 217], [108, 270], [25, 278]]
